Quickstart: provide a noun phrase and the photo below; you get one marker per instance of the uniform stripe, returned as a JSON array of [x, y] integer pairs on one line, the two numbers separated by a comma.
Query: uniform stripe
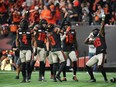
[[103, 59], [63, 55]]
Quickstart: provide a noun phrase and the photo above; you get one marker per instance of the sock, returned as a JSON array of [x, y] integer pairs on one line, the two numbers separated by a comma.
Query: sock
[[103, 72], [64, 71], [51, 69], [18, 69], [62, 65], [90, 71], [55, 67], [32, 63], [74, 68], [41, 69], [28, 69], [24, 70]]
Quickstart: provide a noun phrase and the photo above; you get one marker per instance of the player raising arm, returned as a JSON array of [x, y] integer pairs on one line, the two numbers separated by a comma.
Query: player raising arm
[[100, 56]]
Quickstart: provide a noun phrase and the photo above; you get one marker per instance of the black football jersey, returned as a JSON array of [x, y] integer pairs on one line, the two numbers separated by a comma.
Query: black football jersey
[[69, 41], [40, 37], [100, 44], [55, 41], [24, 39]]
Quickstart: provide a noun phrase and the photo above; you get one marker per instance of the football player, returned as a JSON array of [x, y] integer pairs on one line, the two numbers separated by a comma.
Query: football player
[[70, 48], [24, 43], [100, 56], [54, 41], [40, 37]]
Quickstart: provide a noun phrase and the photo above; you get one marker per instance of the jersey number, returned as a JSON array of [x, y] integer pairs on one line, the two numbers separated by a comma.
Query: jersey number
[[97, 42], [52, 40], [24, 39], [41, 36], [69, 38]]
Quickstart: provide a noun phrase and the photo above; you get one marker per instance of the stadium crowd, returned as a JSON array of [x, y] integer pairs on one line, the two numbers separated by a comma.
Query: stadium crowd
[[12, 11], [80, 11], [55, 12]]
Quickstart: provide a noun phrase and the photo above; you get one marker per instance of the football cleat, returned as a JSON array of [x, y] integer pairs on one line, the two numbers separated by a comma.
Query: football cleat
[[106, 80], [75, 78], [43, 80], [52, 76], [64, 79], [23, 81], [54, 80], [40, 79], [92, 80], [17, 77], [28, 80], [58, 77]]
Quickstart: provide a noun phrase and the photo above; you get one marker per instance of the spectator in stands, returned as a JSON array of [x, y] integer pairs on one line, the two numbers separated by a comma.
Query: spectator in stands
[[77, 7], [113, 4], [3, 12], [72, 14], [3, 57], [46, 13], [106, 9], [85, 13], [62, 4], [16, 16], [76, 3], [25, 10], [64, 16], [113, 18], [58, 13], [53, 19], [34, 15], [98, 15], [95, 5], [6, 61]]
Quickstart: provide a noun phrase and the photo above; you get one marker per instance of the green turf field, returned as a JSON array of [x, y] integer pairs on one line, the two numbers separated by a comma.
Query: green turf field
[[7, 80]]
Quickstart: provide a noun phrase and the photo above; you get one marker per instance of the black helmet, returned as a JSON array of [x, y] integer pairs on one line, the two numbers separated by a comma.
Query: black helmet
[[67, 23], [24, 24], [43, 21], [50, 27]]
